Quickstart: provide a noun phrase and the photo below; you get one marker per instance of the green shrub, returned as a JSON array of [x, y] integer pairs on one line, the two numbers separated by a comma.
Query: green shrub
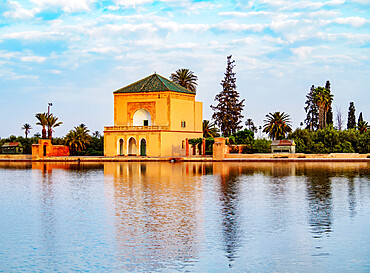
[[247, 149], [262, 146], [242, 137], [364, 143]]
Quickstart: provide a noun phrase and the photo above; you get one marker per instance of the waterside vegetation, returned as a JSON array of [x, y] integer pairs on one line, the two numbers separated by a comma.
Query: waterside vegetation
[[316, 134]]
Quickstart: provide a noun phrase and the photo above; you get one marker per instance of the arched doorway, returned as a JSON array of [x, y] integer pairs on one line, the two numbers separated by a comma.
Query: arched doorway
[[132, 150], [120, 147], [143, 147], [142, 117]]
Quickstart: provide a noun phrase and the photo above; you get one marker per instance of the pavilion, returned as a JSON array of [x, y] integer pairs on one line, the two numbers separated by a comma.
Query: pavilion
[[153, 117]]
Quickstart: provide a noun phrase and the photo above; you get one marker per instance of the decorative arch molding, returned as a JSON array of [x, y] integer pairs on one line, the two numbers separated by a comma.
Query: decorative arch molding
[[132, 107]]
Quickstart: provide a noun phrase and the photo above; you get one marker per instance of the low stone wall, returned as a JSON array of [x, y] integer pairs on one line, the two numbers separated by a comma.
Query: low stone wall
[[46, 149], [298, 155], [16, 157]]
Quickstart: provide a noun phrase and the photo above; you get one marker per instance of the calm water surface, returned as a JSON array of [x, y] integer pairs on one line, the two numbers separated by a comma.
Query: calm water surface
[[175, 217]]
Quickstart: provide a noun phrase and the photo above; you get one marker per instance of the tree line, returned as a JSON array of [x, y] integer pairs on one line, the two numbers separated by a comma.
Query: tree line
[[227, 119], [79, 141]]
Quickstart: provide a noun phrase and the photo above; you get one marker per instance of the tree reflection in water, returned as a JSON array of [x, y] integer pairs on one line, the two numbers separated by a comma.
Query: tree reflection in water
[[230, 213], [351, 197], [319, 199]]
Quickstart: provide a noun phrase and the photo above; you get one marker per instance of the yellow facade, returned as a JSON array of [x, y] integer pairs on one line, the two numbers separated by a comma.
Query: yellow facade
[[153, 123]]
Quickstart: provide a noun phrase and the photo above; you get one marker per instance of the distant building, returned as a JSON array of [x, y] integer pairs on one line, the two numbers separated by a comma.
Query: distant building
[[12, 148], [283, 146], [153, 117]]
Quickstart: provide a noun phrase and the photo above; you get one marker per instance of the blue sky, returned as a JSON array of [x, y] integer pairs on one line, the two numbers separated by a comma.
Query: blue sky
[[76, 53]]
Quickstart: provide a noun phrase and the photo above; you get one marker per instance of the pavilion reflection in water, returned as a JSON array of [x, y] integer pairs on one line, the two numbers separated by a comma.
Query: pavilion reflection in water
[[158, 212]]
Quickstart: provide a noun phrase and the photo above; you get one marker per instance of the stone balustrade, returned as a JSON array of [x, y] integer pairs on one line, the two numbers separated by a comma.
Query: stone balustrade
[[136, 128]]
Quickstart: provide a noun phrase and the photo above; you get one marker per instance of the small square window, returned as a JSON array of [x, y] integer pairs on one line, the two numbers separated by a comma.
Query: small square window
[[146, 122], [183, 124]]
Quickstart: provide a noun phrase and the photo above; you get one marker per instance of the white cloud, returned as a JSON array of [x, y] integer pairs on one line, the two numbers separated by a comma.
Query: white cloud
[[53, 71], [294, 4], [334, 3], [350, 37], [244, 14], [103, 32], [173, 26], [231, 26], [36, 59], [32, 35], [353, 21], [302, 52], [103, 50], [131, 3], [276, 3], [244, 41], [18, 12], [196, 8], [113, 17], [283, 25], [324, 14], [7, 55], [68, 6], [276, 40]]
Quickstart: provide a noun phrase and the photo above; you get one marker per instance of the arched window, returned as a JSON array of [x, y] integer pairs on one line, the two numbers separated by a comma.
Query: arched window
[[142, 117]]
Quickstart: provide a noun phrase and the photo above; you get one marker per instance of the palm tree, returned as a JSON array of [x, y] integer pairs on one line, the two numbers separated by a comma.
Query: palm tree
[[52, 123], [277, 125], [249, 123], [26, 127], [323, 100], [362, 126], [78, 138], [43, 121], [96, 134], [185, 78], [254, 129], [209, 129]]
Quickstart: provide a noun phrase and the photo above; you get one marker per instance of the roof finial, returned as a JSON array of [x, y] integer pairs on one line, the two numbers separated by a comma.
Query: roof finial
[[155, 72]]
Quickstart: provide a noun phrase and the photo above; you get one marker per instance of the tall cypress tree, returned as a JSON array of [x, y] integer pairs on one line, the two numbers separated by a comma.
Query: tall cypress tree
[[312, 119], [329, 117], [329, 113], [227, 113], [360, 118], [351, 121]]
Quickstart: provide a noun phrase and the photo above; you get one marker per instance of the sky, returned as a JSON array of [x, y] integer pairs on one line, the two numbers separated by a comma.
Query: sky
[[74, 54]]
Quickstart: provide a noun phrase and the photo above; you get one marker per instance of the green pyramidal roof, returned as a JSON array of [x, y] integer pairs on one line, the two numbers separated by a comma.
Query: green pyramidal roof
[[153, 83]]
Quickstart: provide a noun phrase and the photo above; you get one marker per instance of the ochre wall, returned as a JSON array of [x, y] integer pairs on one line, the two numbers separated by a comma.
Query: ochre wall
[[111, 142], [159, 143], [168, 109], [51, 150], [172, 142]]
